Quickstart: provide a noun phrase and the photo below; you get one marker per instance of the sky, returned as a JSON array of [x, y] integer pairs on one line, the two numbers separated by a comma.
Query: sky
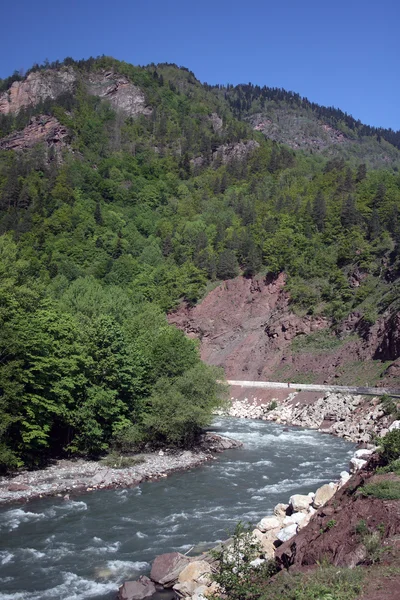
[[342, 53]]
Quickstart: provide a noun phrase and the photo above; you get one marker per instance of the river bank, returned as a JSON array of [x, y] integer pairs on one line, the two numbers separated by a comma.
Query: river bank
[[358, 419], [73, 477], [86, 547], [190, 577]]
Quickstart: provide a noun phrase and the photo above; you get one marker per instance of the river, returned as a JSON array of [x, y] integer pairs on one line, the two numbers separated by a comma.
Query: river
[[85, 547]]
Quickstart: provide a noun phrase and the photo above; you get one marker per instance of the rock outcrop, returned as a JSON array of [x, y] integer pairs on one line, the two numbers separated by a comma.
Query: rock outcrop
[[41, 129], [231, 152], [123, 95], [37, 87]]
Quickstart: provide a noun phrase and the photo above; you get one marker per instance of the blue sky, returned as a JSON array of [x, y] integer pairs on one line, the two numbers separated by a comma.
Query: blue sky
[[340, 53]]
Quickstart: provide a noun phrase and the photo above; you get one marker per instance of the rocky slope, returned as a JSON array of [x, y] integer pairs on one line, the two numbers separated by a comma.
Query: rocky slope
[[41, 129], [301, 129], [37, 86], [42, 85], [247, 327]]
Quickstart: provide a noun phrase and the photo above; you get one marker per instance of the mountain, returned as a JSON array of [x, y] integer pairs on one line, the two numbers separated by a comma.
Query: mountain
[[127, 192], [288, 118]]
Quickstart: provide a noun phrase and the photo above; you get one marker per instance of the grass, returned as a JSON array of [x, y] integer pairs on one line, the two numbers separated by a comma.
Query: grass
[[359, 373], [392, 467], [388, 489], [326, 583], [320, 342], [118, 461]]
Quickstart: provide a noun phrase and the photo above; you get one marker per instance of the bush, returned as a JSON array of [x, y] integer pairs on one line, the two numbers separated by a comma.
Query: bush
[[236, 576], [391, 446], [384, 490], [389, 406]]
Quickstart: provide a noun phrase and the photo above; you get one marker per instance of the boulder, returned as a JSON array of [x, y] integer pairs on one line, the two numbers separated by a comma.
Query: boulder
[[186, 589], [198, 571], [137, 590], [287, 533], [307, 517], [300, 502], [18, 487], [280, 509], [363, 453], [266, 543], [294, 518], [257, 562], [201, 593], [323, 494], [268, 523], [356, 464], [394, 425], [167, 567], [344, 477]]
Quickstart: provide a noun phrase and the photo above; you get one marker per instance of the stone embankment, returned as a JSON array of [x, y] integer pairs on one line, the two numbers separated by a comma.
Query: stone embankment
[[71, 477], [351, 417], [191, 577]]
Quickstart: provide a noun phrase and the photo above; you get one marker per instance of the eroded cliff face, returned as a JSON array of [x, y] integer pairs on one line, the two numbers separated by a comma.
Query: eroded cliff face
[[38, 86], [41, 85], [119, 91], [247, 327], [41, 129]]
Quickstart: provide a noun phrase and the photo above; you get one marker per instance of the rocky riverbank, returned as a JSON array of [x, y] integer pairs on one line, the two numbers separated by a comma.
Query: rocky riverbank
[[72, 477], [355, 418], [191, 577]]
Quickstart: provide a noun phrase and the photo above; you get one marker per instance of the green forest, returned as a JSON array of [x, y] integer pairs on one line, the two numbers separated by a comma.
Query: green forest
[[137, 214]]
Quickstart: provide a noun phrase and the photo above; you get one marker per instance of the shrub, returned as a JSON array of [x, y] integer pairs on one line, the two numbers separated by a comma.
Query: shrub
[[391, 445], [236, 576], [389, 406], [384, 490]]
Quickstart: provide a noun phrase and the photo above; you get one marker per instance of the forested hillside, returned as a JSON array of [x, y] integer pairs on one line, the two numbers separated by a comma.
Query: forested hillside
[[125, 190]]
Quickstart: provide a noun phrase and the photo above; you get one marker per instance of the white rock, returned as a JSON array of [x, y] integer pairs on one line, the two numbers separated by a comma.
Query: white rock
[[294, 518], [394, 425], [363, 453], [257, 562], [356, 464], [300, 502], [323, 494], [265, 542], [287, 533], [268, 523], [306, 520], [280, 509], [344, 477]]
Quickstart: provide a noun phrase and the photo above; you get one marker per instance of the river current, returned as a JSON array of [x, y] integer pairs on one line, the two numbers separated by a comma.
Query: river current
[[85, 547]]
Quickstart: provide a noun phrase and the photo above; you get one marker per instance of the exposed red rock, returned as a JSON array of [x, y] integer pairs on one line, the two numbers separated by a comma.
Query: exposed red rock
[[332, 533], [41, 129], [247, 327]]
